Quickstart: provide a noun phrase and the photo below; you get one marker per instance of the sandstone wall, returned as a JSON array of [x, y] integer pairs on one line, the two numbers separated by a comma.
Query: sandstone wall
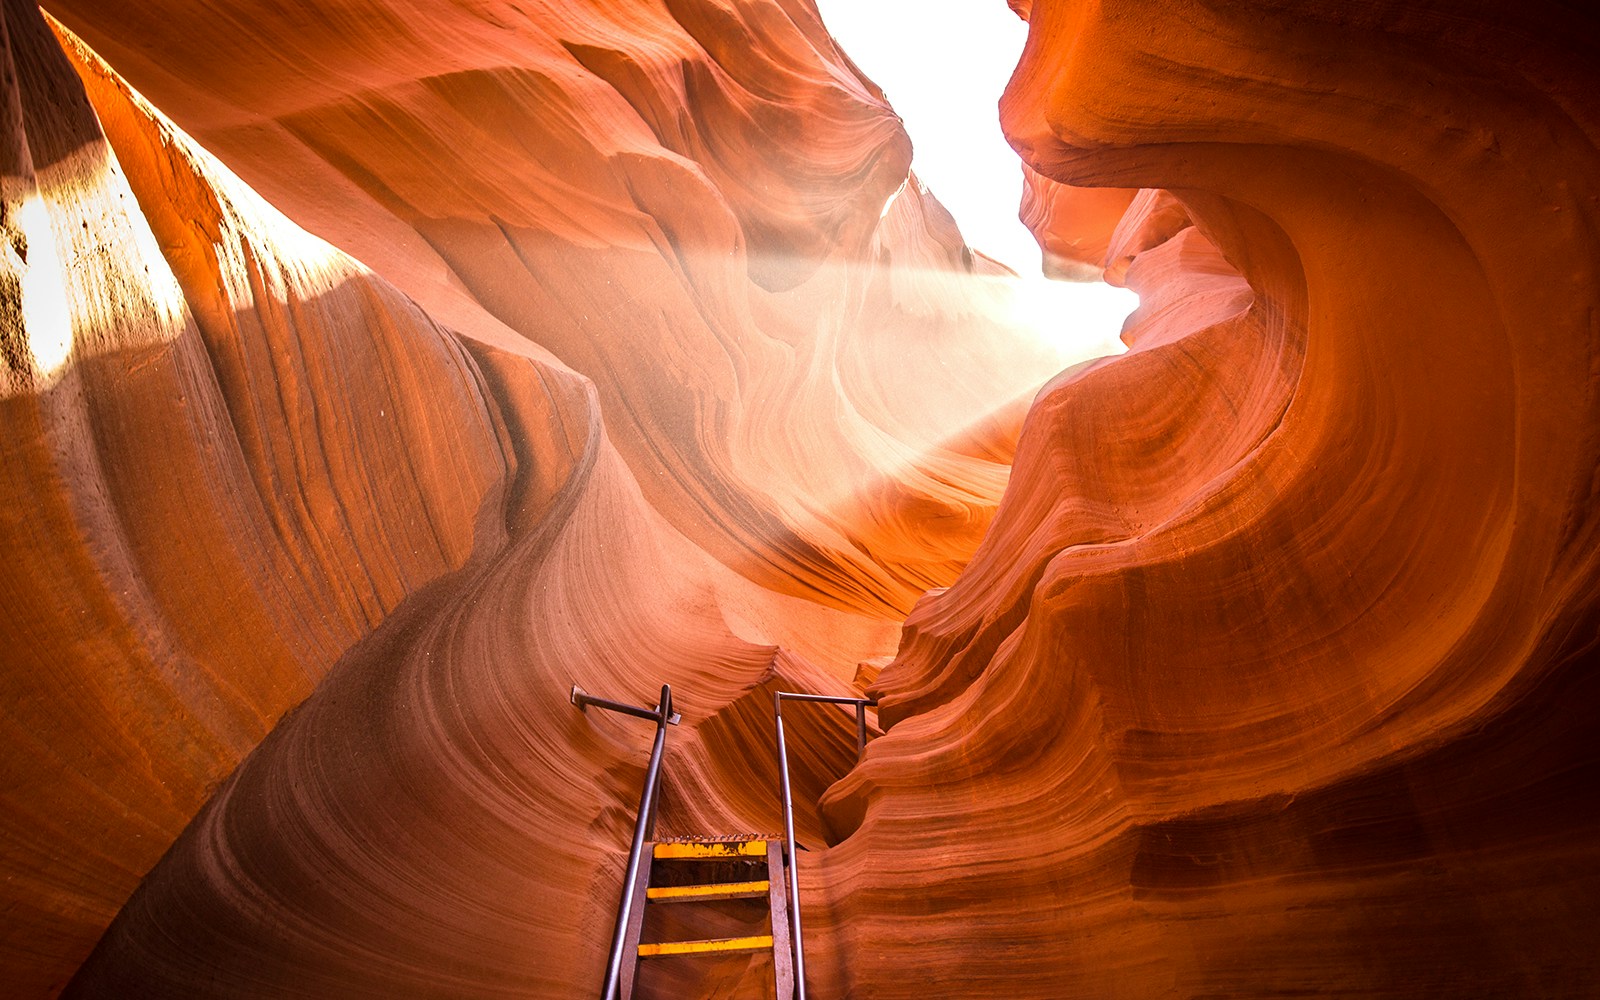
[[1274, 674], [627, 350]]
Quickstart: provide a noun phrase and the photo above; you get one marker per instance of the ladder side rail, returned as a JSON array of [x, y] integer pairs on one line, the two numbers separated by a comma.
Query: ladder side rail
[[777, 905], [643, 828], [861, 730], [790, 867], [630, 945]]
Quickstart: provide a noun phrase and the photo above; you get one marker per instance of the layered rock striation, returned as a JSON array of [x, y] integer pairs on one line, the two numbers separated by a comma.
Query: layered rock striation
[[684, 202], [629, 351], [1273, 672]]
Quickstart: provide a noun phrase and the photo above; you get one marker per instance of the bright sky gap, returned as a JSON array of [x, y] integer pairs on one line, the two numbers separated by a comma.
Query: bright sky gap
[[943, 71]]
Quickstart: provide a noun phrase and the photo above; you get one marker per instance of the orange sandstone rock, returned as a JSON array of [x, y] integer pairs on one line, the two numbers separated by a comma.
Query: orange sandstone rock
[[1273, 673], [241, 466], [1073, 225], [230, 452], [685, 203]]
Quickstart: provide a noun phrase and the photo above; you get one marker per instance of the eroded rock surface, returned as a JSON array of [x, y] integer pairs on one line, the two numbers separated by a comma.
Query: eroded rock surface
[[244, 462], [628, 351], [1274, 672]]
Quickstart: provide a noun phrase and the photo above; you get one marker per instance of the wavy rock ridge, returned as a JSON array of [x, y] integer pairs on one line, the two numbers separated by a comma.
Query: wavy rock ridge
[[635, 354], [242, 466], [1273, 673]]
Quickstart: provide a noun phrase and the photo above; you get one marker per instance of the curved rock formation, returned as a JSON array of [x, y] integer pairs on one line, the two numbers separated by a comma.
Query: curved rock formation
[[682, 202], [1072, 224], [1273, 673], [236, 457], [643, 358], [203, 469]]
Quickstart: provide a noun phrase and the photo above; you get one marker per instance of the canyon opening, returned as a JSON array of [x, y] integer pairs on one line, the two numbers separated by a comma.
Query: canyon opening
[[519, 498]]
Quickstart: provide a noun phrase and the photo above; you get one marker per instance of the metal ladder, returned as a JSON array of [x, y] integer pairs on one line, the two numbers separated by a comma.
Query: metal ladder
[[705, 858], [686, 869]]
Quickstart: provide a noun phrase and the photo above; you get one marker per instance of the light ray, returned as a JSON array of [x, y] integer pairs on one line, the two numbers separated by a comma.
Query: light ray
[[45, 315]]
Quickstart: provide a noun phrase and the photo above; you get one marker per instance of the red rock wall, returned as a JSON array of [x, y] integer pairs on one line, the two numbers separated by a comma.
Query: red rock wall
[[681, 201], [1073, 225], [1274, 674], [1271, 674], [249, 466], [226, 444]]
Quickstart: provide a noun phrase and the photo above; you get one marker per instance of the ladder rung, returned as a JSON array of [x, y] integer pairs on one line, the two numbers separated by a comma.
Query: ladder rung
[[719, 849], [721, 890], [713, 947]]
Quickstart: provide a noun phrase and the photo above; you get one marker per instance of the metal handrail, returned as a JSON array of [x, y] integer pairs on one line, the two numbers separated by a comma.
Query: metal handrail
[[644, 827], [788, 812]]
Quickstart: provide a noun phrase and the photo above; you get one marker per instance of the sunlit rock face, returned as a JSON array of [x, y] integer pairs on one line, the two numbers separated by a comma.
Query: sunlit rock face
[[229, 452], [627, 351], [1275, 673], [681, 201], [1072, 224]]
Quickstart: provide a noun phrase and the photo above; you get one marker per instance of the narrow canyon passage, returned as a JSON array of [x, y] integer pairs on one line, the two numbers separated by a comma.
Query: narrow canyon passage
[[375, 370]]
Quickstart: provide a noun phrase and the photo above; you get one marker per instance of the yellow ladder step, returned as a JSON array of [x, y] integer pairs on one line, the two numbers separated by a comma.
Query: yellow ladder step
[[721, 890], [716, 946], [712, 850]]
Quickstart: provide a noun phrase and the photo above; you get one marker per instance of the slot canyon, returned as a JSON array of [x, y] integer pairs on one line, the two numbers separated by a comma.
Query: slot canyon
[[374, 371]]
